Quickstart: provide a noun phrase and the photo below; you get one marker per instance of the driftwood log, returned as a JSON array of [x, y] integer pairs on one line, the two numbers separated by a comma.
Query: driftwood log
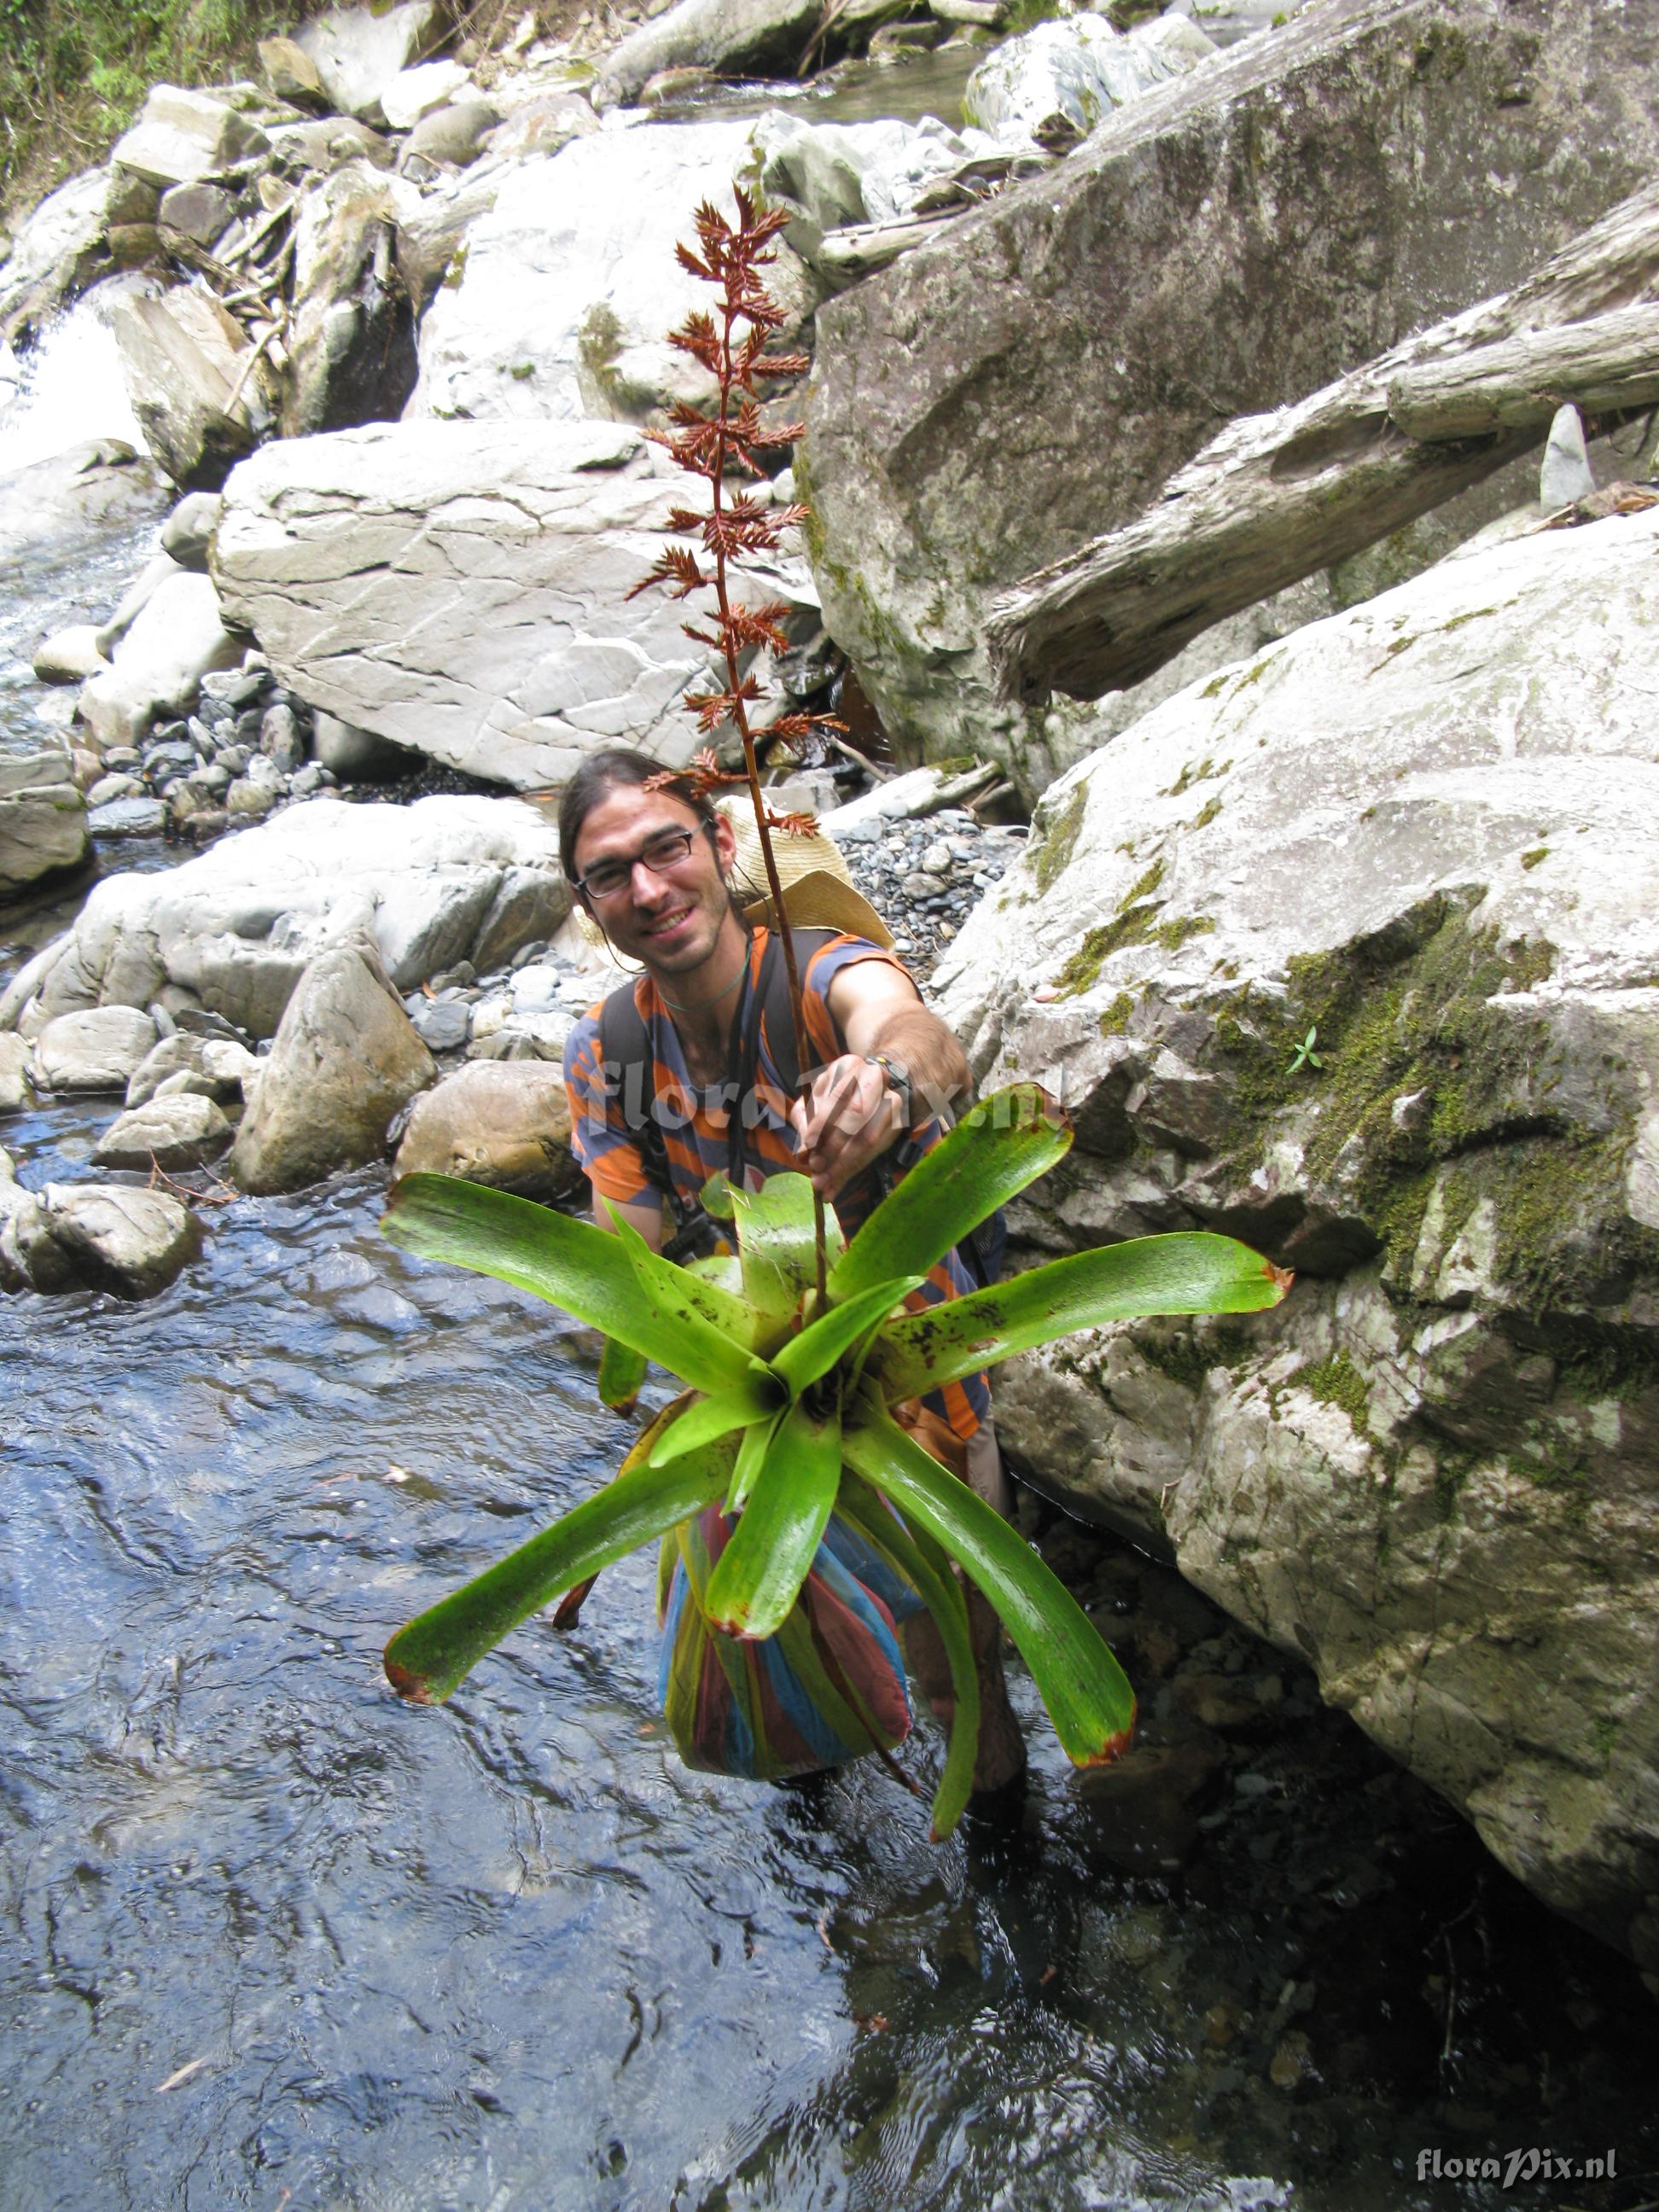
[[1277, 497]]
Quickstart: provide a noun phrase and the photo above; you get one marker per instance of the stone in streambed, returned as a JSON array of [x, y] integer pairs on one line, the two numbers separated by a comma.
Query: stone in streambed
[[69, 656], [97, 1237], [182, 135], [175, 639], [43, 821], [344, 1061], [98, 1049], [177, 1132], [15, 1087], [218, 1065], [502, 1122], [188, 531]]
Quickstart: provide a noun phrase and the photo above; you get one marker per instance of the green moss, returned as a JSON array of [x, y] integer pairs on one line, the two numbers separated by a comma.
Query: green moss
[[1207, 814], [1115, 1018], [1336, 1382], [1057, 840], [1538, 853], [1172, 935], [452, 276], [1408, 1013]]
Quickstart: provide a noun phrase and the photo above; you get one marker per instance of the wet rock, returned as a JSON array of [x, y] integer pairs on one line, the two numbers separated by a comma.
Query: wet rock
[[174, 1133], [97, 1049], [281, 737], [234, 927], [57, 508], [188, 531], [176, 638], [69, 656], [89, 1236], [344, 1060], [138, 816], [502, 1122], [1418, 829], [340, 553], [51, 252], [1291, 136], [358, 51], [43, 824], [441, 1024], [181, 137]]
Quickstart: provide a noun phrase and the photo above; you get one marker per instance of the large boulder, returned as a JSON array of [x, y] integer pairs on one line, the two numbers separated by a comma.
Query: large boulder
[[181, 135], [176, 638], [742, 37], [1056, 82], [345, 1059], [570, 287], [358, 51], [55, 510], [53, 253], [501, 1121], [461, 589], [1352, 951], [96, 1236], [351, 347], [194, 387], [1223, 244], [43, 818], [444, 880], [16, 1081]]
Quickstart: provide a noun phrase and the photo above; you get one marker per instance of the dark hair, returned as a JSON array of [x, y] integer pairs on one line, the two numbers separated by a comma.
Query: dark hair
[[602, 772]]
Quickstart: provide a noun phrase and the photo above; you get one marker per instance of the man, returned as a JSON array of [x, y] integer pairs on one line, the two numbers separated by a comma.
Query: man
[[652, 867]]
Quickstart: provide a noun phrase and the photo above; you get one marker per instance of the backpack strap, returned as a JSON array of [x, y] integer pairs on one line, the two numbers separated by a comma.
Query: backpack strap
[[628, 1066]]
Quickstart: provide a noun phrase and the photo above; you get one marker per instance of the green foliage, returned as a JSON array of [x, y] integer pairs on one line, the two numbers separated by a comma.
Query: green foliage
[[784, 1430], [73, 73]]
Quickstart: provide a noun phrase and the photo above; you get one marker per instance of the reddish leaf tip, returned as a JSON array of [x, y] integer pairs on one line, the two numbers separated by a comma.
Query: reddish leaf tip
[[1114, 1746], [407, 1683], [1282, 1278]]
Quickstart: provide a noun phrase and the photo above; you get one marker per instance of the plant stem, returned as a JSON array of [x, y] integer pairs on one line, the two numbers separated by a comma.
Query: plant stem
[[781, 920]]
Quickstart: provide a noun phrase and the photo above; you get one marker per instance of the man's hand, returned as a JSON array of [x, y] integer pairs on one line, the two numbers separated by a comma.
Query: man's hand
[[848, 1117]]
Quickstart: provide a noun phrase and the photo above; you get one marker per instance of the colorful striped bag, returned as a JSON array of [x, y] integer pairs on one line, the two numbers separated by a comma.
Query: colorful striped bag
[[827, 1687]]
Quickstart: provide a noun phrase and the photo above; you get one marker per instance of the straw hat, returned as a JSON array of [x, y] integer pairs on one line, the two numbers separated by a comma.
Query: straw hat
[[818, 891]]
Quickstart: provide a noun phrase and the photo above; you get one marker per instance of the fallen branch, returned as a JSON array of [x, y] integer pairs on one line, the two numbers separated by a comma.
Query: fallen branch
[[1603, 367], [1277, 497]]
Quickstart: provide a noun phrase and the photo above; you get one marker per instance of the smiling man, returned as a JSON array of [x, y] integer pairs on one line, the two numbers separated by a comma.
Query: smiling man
[[653, 869]]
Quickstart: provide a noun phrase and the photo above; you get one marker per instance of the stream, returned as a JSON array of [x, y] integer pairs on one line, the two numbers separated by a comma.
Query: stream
[[269, 1938]]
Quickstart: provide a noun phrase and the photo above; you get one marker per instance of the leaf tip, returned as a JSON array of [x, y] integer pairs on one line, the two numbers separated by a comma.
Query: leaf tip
[[1114, 1746], [406, 1682], [1281, 1277]]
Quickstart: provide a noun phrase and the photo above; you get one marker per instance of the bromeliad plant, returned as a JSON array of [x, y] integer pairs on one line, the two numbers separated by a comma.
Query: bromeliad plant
[[789, 1417], [797, 1349]]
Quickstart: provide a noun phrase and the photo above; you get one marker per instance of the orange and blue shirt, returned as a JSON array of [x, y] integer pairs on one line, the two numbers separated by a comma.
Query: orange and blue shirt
[[695, 1127]]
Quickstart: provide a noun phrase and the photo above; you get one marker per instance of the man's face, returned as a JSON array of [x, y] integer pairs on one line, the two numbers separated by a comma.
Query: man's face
[[670, 917]]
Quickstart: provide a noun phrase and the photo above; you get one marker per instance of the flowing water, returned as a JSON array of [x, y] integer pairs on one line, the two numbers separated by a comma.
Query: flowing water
[[269, 1938]]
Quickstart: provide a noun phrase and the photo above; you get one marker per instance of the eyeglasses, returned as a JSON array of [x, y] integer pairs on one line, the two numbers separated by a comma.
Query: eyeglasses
[[669, 849]]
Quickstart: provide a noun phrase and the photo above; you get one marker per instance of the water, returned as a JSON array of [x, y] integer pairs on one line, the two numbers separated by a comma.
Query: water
[[67, 388]]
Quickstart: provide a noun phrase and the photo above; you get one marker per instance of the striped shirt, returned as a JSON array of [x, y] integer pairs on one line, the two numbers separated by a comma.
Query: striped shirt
[[694, 1126]]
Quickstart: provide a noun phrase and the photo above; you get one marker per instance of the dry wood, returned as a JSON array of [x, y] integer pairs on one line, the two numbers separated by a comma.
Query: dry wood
[[1277, 497], [1605, 366]]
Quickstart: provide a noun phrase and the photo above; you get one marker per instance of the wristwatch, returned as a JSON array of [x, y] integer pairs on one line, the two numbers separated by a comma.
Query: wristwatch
[[897, 1076]]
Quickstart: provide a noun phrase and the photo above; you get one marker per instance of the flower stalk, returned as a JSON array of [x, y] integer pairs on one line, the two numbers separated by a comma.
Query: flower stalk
[[716, 447]]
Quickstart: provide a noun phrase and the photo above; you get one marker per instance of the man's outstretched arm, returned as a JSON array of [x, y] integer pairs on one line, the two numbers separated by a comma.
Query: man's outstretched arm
[[849, 1114]]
